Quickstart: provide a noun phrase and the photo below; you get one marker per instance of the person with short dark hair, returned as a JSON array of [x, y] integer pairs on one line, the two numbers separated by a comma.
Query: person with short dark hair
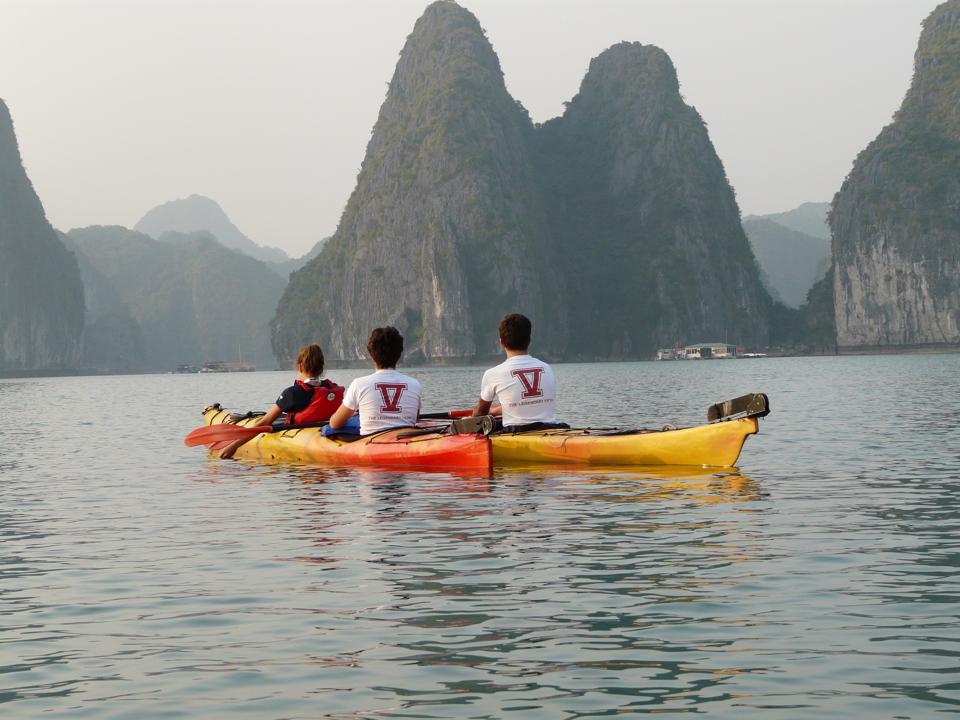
[[525, 386], [386, 398], [308, 400]]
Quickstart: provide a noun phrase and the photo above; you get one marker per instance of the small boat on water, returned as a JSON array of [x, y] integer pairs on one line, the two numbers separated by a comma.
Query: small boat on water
[[445, 444]]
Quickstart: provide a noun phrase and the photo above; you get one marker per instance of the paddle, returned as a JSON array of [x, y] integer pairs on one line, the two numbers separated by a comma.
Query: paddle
[[209, 434], [228, 432], [449, 415]]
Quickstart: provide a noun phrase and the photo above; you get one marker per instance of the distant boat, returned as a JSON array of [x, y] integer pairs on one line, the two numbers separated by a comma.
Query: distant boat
[[218, 366]]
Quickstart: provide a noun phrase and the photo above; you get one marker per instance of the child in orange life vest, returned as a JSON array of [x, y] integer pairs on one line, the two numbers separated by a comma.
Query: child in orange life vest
[[308, 400]]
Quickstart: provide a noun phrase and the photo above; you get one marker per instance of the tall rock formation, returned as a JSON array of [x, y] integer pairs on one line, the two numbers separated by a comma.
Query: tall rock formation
[[896, 219], [41, 298], [647, 225], [613, 226], [199, 302], [445, 230], [198, 213]]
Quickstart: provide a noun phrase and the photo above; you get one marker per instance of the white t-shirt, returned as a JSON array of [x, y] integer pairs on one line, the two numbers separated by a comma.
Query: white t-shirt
[[384, 400], [526, 388]]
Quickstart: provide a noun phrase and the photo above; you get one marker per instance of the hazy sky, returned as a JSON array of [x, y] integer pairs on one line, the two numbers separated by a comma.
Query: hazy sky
[[267, 105]]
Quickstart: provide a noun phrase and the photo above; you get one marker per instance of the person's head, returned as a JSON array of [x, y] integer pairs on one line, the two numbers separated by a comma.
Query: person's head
[[310, 361], [515, 332], [385, 346]]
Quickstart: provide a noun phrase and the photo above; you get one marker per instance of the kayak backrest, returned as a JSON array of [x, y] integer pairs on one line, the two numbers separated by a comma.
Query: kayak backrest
[[752, 405]]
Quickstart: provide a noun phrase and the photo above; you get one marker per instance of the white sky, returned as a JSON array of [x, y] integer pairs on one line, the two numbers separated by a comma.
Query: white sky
[[267, 105]]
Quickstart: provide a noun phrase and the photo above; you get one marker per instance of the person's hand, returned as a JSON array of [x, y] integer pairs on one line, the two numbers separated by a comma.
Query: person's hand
[[230, 449]]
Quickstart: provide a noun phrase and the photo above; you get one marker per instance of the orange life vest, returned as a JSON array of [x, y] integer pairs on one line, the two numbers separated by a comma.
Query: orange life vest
[[327, 397]]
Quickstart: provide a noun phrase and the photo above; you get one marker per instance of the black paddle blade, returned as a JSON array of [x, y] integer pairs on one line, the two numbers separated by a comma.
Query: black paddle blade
[[752, 405]]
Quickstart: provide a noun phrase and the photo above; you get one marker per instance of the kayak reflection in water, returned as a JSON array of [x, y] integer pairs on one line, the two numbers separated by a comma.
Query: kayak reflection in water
[[308, 400], [525, 385], [387, 398]]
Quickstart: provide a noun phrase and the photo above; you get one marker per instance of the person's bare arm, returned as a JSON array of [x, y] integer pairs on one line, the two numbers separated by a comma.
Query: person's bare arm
[[482, 408], [340, 417], [485, 408], [265, 419]]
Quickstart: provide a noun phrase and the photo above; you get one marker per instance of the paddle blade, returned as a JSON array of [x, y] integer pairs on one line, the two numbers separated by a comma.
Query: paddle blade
[[219, 445], [209, 434]]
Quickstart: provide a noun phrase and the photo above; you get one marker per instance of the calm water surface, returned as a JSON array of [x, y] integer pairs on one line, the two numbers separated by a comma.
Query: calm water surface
[[140, 579]]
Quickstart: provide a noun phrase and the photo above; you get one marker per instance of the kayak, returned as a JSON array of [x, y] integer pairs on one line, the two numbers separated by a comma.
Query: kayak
[[403, 447], [714, 445]]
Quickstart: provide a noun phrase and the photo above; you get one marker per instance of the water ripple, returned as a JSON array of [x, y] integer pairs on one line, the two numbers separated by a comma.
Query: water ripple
[[138, 579]]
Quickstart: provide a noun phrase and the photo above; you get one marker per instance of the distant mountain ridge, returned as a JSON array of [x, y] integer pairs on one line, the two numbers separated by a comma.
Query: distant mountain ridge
[[41, 295], [198, 302], [613, 227], [792, 259], [197, 213], [809, 218]]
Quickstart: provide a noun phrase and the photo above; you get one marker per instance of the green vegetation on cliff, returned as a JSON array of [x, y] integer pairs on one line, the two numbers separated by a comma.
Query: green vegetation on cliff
[[648, 229]]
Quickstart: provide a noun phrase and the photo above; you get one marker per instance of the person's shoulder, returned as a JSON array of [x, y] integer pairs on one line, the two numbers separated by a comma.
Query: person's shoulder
[[411, 381], [498, 368], [358, 384]]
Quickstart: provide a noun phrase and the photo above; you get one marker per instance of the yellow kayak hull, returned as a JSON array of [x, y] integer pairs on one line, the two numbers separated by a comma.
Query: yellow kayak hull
[[714, 445]]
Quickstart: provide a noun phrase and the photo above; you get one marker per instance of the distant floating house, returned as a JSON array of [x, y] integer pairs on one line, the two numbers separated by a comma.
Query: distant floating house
[[709, 351], [700, 351]]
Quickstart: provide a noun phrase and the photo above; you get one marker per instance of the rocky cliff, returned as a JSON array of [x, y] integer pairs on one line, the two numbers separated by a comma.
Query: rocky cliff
[[613, 226], [41, 298], [199, 302], [445, 230], [896, 219], [649, 232]]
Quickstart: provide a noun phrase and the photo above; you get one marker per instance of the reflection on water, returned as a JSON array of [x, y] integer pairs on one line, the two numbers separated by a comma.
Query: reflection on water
[[140, 579]]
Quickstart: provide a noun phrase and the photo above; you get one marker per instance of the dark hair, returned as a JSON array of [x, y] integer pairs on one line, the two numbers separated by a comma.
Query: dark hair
[[385, 346], [515, 332], [310, 360]]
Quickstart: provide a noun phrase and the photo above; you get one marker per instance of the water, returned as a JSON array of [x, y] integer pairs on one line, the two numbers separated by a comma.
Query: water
[[139, 579]]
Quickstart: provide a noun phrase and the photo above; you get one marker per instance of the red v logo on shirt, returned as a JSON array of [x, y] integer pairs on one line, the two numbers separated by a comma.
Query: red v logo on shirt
[[530, 379], [391, 394]]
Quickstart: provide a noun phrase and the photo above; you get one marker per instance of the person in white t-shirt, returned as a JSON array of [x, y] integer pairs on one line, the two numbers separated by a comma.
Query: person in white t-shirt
[[385, 399], [525, 386]]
